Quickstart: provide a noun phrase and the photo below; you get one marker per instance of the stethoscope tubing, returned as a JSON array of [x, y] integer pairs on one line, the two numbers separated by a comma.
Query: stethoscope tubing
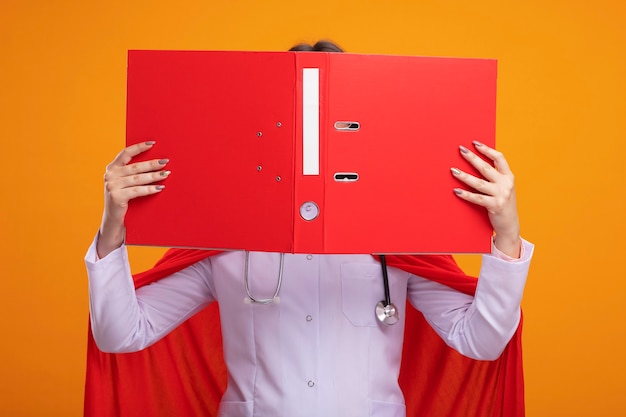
[[246, 281], [383, 264], [385, 310]]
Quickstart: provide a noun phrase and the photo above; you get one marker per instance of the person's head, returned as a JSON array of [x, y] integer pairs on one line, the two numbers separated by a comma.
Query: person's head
[[319, 46]]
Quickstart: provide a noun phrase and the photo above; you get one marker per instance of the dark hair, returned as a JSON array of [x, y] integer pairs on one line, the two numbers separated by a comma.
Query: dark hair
[[320, 46]]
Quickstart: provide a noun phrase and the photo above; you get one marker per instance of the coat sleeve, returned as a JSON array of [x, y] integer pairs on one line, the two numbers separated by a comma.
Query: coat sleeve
[[127, 320], [478, 326]]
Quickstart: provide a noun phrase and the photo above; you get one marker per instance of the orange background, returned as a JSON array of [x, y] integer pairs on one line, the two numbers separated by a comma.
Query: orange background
[[561, 123]]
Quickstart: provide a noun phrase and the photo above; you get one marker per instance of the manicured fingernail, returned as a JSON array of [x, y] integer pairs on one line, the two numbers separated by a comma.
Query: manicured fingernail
[[150, 142], [165, 173], [463, 149], [163, 161], [455, 171], [477, 143], [159, 187], [458, 191]]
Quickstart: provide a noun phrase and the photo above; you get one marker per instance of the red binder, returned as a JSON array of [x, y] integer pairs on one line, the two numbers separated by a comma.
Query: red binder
[[309, 152]]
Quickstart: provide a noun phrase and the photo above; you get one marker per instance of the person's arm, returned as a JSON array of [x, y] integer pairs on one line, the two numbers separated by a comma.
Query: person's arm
[[125, 320], [480, 326]]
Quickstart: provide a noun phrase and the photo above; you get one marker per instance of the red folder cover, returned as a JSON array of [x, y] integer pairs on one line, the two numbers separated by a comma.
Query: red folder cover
[[309, 152]]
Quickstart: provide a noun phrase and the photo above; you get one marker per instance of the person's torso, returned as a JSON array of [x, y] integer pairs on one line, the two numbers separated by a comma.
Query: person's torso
[[317, 350]]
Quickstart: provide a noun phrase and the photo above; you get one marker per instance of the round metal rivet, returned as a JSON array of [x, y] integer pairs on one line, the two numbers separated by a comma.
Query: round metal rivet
[[259, 134], [309, 318], [258, 168], [279, 124], [311, 384], [278, 178]]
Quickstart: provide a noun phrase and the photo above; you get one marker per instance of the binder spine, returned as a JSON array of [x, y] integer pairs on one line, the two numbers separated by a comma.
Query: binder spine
[[310, 145]]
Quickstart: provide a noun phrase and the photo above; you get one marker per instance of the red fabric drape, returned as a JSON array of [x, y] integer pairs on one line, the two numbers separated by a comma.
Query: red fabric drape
[[184, 374]]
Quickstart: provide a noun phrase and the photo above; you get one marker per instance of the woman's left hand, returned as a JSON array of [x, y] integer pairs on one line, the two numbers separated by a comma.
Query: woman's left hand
[[496, 192]]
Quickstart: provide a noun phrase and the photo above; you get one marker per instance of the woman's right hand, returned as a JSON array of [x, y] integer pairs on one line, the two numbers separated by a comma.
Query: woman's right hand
[[124, 181]]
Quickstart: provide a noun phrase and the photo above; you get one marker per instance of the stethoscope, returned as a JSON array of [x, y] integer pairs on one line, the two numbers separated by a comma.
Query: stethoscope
[[385, 310]]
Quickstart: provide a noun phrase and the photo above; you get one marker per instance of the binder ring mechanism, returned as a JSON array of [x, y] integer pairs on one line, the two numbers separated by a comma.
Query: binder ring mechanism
[[346, 176], [347, 126]]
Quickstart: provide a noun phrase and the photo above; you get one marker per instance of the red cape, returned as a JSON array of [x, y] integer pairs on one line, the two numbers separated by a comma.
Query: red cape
[[184, 373]]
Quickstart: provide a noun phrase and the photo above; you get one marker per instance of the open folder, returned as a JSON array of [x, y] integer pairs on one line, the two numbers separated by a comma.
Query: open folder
[[309, 152]]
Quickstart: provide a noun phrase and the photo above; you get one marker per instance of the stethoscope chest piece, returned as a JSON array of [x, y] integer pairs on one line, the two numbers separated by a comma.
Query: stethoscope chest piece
[[387, 313]]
